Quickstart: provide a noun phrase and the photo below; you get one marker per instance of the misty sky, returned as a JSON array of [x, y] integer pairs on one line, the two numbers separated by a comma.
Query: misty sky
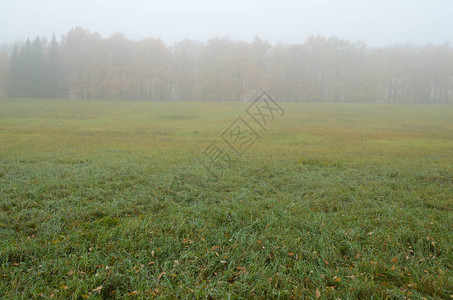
[[378, 23]]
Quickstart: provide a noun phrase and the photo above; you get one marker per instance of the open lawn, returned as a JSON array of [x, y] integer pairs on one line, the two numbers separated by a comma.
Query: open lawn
[[108, 200]]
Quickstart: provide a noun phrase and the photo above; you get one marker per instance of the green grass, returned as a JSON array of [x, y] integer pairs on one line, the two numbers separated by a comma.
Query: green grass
[[106, 200]]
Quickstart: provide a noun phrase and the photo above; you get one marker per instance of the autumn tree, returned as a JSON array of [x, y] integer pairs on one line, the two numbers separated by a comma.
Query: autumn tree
[[86, 66]]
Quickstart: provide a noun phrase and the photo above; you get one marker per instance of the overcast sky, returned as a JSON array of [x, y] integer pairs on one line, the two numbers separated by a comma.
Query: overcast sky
[[377, 22]]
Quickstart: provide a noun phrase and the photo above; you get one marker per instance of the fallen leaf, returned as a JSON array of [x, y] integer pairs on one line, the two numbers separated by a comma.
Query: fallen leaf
[[318, 293], [393, 268], [394, 259], [132, 293], [161, 274], [98, 289], [326, 262]]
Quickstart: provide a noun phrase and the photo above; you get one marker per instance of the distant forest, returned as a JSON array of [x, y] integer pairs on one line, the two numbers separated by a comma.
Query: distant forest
[[82, 65]]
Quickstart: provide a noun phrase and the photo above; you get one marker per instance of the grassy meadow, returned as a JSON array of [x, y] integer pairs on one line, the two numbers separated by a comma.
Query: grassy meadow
[[104, 200]]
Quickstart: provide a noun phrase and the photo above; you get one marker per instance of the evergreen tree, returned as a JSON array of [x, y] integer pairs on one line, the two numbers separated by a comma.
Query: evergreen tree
[[13, 81], [54, 80], [37, 71], [29, 71], [25, 61]]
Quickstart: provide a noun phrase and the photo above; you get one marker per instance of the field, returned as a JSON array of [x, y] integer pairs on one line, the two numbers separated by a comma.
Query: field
[[108, 200]]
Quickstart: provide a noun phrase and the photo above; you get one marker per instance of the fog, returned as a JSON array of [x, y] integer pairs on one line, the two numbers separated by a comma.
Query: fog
[[378, 23], [299, 51], [208, 149]]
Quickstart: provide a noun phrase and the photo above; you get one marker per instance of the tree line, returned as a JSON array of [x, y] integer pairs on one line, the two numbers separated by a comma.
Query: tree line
[[85, 66], [33, 73]]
